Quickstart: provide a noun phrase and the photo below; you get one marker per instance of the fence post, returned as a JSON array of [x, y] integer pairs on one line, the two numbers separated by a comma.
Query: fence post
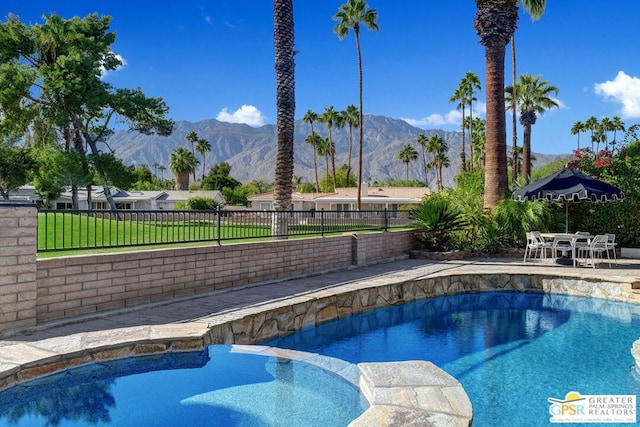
[[322, 222], [386, 219], [18, 266], [218, 224]]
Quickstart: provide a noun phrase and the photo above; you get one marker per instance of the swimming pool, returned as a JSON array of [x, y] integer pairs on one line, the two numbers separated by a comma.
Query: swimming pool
[[219, 386], [510, 351]]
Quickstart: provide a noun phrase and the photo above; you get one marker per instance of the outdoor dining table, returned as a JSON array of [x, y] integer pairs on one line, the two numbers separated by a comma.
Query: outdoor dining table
[[574, 240]]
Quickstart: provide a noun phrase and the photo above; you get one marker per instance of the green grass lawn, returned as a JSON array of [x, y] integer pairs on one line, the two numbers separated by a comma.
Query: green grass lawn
[[75, 233]]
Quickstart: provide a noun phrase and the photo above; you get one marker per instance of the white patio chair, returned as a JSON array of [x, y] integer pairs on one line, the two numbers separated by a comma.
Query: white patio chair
[[535, 245], [611, 247], [594, 250], [564, 244]]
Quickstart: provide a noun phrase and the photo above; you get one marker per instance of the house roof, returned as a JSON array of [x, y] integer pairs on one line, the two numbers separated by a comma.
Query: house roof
[[374, 195]]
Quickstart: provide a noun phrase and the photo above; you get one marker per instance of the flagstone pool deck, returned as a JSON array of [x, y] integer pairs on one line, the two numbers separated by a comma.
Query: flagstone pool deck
[[410, 393]]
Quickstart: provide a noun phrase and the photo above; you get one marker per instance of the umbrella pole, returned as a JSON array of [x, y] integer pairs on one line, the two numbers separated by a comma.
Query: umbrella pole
[[566, 216]]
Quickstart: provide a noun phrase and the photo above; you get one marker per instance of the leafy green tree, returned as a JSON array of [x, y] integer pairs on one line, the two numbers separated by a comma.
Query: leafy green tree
[[283, 35], [495, 22], [200, 203], [15, 164], [407, 154], [52, 72], [219, 177], [342, 174], [351, 15], [182, 163], [534, 96], [311, 117]]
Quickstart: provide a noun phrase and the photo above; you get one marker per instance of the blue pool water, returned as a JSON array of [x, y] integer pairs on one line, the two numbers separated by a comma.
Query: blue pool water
[[510, 351], [215, 387]]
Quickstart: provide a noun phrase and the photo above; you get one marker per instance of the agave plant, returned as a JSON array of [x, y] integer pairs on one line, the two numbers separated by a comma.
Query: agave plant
[[438, 218]]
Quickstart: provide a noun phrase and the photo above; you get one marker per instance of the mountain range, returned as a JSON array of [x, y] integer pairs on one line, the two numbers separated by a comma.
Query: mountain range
[[251, 151]]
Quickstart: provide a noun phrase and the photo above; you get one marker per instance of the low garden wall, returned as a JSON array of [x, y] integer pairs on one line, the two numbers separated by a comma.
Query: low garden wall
[[34, 291]]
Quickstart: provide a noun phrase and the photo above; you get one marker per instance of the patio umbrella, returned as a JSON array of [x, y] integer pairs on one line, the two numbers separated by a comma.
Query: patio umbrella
[[568, 185]]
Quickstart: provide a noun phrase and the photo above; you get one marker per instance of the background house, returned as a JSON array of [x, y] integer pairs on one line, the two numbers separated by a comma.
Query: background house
[[125, 200], [345, 199]]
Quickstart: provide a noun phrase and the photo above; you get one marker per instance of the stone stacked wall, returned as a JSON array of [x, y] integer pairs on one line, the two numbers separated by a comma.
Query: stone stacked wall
[[75, 285]]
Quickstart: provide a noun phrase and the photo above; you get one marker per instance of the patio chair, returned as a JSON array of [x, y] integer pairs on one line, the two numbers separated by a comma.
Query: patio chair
[[535, 244], [611, 247], [593, 250], [566, 245]]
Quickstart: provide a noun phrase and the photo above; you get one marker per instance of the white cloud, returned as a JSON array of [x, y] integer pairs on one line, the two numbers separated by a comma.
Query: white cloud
[[452, 118], [247, 114], [104, 73], [625, 90]]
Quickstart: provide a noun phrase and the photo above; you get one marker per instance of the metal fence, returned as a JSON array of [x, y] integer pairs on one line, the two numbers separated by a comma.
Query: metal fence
[[60, 230]]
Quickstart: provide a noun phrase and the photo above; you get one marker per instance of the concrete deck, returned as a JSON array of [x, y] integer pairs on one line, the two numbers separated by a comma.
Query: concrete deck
[[207, 307]]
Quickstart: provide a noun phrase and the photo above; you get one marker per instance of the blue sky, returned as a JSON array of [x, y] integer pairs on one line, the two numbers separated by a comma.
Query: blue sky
[[215, 59]]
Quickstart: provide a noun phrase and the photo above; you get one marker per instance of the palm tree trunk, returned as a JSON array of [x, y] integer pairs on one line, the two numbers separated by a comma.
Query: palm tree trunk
[[496, 183], [333, 158], [463, 158], [514, 112], [286, 105], [349, 155], [359, 197], [526, 153], [315, 159]]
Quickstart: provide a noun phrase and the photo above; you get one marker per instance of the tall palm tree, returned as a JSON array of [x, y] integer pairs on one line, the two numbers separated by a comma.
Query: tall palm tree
[[422, 142], [349, 16], [460, 96], [533, 97], [479, 139], [322, 147], [182, 163], [203, 147], [437, 147], [330, 117], [312, 139], [495, 22], [351, 117], [407, 155], [311, 117], [592, 124], [162, 168], [192, 137], [576, 129], [283, 36], [618, 125], [514, 114], [607, 126], [471, 81]]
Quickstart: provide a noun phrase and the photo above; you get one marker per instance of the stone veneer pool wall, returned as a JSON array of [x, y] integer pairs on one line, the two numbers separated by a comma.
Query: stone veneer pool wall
[[391, 389]]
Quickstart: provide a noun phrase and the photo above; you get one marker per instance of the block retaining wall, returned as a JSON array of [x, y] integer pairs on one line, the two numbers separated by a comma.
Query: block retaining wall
[[70, 286]]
